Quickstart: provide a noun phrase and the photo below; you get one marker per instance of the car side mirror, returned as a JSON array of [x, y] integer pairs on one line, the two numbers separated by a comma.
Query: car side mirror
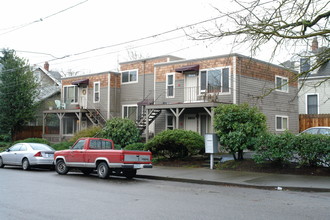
[[7, 150]]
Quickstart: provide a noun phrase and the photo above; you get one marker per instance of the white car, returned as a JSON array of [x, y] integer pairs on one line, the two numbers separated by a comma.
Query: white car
[[28, 155], [317, 130]]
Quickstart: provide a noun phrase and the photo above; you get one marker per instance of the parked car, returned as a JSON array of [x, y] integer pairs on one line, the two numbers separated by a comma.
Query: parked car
[[317, 130], [28, 155]]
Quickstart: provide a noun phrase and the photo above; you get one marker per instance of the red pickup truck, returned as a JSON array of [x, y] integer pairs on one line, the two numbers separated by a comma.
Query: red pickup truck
[[89, 154]]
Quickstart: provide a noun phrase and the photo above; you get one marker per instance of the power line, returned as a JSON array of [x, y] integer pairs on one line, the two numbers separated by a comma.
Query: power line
[[41, 19]]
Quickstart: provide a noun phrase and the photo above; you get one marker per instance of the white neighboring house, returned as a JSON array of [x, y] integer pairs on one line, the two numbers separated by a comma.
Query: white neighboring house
[[314, 95]]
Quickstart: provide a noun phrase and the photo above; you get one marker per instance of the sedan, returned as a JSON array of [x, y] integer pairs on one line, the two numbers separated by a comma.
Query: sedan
[[317, 130], [28, 155]]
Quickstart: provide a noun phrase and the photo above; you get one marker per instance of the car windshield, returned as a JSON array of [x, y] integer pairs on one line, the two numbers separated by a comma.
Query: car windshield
[[41, 147]]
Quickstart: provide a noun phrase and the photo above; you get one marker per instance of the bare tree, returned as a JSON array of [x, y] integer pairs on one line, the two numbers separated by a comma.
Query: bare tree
[[286, 23]]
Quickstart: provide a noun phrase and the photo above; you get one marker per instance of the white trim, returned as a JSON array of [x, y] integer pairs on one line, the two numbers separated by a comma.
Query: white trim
[[130, 82], [166, 89], [318, 102], [99, 91], [281, 89], [281, 116], [216, 68], [109, 96], [234, 81]]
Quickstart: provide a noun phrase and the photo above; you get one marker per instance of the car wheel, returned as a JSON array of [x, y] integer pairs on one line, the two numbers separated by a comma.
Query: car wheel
[[61, 167], [86, 171], [26, 164], [1, 163], [103, 170], [129, 174]]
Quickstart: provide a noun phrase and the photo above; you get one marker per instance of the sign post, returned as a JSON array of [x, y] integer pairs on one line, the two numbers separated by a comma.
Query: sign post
[[211, 147]]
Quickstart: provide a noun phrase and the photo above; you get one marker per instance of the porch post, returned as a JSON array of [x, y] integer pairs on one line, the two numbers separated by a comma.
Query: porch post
[[44, 123], [177, 116], [60, 116]]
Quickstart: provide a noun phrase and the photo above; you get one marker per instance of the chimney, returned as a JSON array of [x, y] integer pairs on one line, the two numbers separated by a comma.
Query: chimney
[[315, 45], [46, 66]]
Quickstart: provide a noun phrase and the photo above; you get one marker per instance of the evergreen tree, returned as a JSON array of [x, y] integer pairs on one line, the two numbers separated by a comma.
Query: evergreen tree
[[18, 91]]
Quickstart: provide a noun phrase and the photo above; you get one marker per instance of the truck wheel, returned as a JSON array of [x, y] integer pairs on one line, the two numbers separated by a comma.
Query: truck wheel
[[61, 167], [103, 170], [1, 163], [129, 174], [25, 164]]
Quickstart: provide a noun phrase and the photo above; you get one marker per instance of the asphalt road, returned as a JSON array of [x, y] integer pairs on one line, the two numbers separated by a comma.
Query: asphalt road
[[46, 195]]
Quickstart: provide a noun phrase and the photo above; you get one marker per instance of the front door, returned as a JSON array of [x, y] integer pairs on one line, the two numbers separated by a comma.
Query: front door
[[191, 88], [83, 98], [190, 122]]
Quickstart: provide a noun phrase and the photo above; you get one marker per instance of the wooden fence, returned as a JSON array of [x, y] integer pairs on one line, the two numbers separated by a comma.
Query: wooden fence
[[307, 121], [29, 132]]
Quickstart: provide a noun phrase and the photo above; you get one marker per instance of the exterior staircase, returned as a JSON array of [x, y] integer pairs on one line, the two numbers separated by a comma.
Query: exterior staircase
[[95, 116], [142, 123]]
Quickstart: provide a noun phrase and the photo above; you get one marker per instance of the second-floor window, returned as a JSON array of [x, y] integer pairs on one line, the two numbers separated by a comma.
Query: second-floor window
[[281, 84], [312, 104], [96, 92], [70, 94], [214, 80], [170, 85], [129, 76]]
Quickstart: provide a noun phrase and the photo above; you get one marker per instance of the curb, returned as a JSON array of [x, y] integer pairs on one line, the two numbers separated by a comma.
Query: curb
[[218, 183]]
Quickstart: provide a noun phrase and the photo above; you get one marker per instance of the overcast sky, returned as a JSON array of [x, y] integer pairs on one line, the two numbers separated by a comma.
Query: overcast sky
[[52, 27]]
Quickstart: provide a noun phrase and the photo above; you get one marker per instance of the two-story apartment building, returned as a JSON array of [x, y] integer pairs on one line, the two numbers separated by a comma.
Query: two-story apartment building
[[168, 92]]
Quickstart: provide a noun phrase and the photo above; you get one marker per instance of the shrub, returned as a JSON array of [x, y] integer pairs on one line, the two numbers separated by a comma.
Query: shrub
[[63, 145], [34, 140], [136, 146], [313, 150], [5, 138], [275, 148], [176, 143], [238, 127], [122, 131], [89, 132]]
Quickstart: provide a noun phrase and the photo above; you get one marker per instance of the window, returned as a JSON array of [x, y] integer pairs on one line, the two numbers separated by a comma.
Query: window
[[15, 147], [100, 144], [69, 125], [71, 94], [214, 80], [79, 145], [304, 65], [129, 76], [281, 84], [130, 111], [170, 85], [169, 122], [312, 104], [281, 123], [96, 92]]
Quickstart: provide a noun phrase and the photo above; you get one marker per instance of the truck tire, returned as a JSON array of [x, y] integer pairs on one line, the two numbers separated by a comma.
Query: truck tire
[[129, 174], [61, 167], [103, 170]]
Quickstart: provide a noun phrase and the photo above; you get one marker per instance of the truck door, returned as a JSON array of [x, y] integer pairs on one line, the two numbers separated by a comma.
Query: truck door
[[77, 153]]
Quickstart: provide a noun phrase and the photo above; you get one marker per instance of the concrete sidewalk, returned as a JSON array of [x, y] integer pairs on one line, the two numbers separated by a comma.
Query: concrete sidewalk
[[237, 178]]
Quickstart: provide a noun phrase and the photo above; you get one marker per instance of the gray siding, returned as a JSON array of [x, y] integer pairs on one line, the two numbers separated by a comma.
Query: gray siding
[[252, 91], [133, 93]]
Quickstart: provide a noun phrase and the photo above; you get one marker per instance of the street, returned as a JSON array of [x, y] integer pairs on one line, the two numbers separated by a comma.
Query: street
[[43, 194]]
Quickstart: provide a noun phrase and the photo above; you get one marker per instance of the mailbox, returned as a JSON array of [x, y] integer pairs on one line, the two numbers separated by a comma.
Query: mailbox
[[211, 143]]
